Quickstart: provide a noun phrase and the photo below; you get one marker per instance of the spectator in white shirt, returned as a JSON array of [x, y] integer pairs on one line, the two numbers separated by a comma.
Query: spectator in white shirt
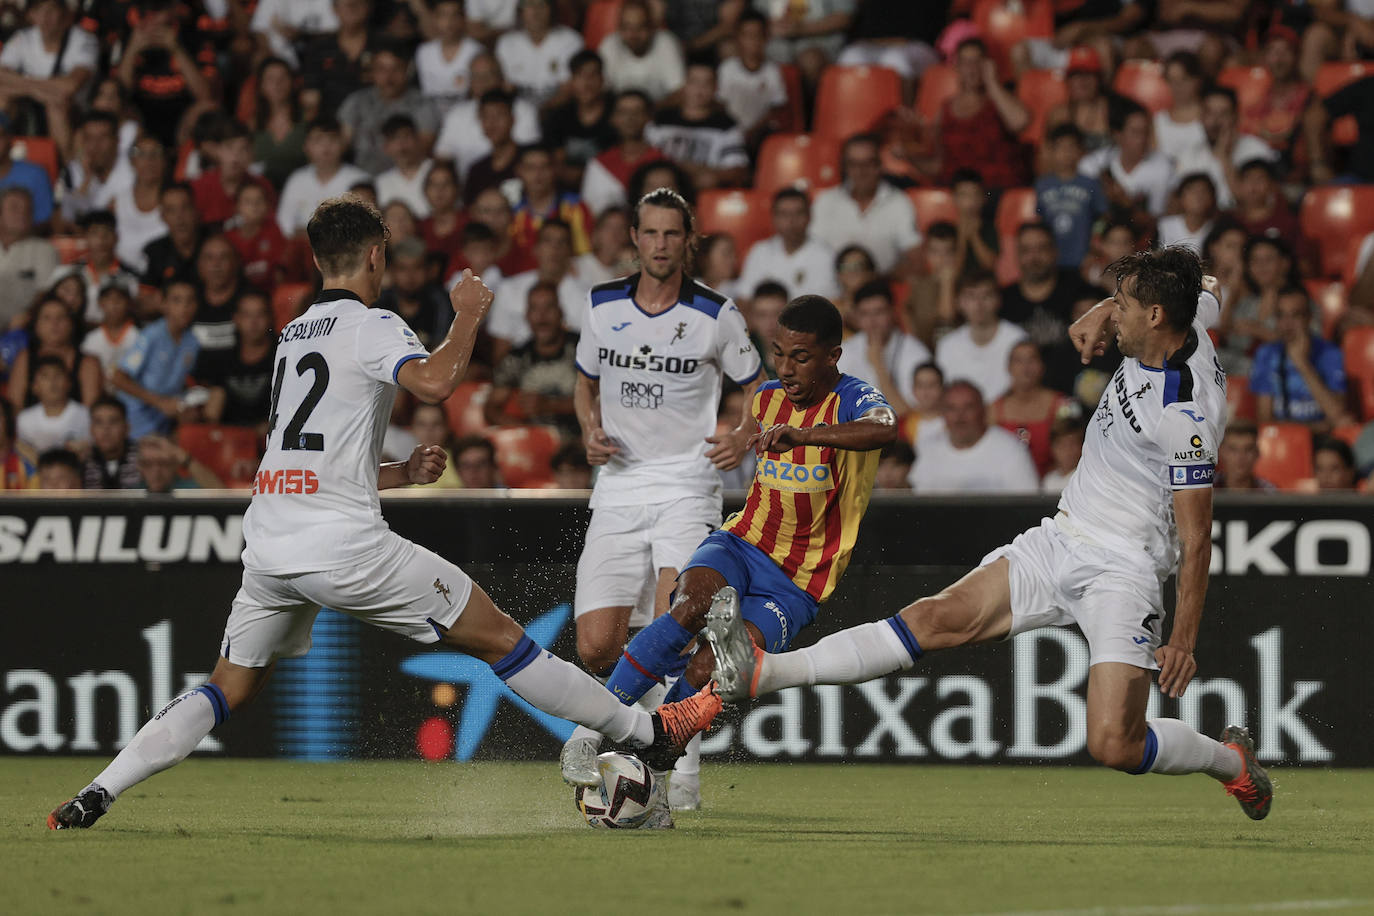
[[553, 253], [881, 353], [460, 135], [978, 352], [749, 85], [866, 210], [26, 261], [639, 56], [1066, 450], [611, 255], [487, 19], [972, 457], [326, 176], [49, 61], [1225, 149], [698, 135], [116, 335], [803, 265], [137, 208], [405, 181], [1130, 172], [281, 26], [535, 57], [56, 421], [442, 63], [91, 180], [1197, 201]]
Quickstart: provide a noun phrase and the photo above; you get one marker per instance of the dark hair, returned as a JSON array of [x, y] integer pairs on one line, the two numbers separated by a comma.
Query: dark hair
[[570, 454], [21, 191], [325, 123], [1072, 425], [933, 367], [496, 97], [474, 441], [875, 140], [7, 419], [972, 43], [751, 15], [900, 450], [943, 229], [55, 362], [1292, 278], [532, 148], [1170, 278], [60, 458], [708, 244], [397, 123], [1264, 165], [1188, 60], [1220, 227], [1293, 289], [180, 281], [443, 165], [669, 200], [179, 186], [476, 232], [97, 218], [1337, 447], [73, 321], [1066, 131], [791, 193], [975, 276], [112, 402], [543, 286], [874, 289], [1225, 92], [702, 59], [261, 110], [1242, 428], [583, 58], [1120, 110], [233, 129], [1035, 225], [100, 117], [772, 289], [636, 187], [815, 315], [847, 250], [635, 94], [553, 222], [1196, 178], [341, 230], [965, 174]]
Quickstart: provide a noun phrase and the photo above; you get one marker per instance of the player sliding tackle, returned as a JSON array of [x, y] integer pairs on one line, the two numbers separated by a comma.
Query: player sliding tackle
[[1138, 508], [775, 560], [315, 535]]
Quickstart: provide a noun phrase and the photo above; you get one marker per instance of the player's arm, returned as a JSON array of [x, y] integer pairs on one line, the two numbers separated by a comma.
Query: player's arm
[[875, 429], [587, 405], [434, 378], [1193, 515], [728, 449], [425, 465]]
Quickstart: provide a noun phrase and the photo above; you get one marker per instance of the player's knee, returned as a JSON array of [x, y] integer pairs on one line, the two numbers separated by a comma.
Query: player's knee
[[941, 621], [1115, 750], [597, 652]]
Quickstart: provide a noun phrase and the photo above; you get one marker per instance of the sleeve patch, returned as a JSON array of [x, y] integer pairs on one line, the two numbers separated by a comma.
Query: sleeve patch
[[1184, 476]]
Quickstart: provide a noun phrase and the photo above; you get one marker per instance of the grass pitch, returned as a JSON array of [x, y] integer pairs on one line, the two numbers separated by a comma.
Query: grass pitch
[[218, 836]]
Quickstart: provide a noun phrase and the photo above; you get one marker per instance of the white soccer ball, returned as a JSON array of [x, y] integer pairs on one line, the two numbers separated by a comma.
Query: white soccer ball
[[623, 800]]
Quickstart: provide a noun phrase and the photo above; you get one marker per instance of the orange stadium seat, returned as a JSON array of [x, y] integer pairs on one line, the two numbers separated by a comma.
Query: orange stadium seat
[[1143, 80], [1016, 206], [800, 160], [230, 451], [1358, 350], [932, 205], [525, 454], [1005, 23], [288, 302], [938, 84], [246, 108], [602, 18], [1331, 216], [1039, 91], [1352, 260], [796, 104], [1285, 454], [1240, 403], [1329, 295], [70, 248], [1333, 76], [38, 150], [1251, 85], [1347, 433], [464, 408], [742, 214], [851, 100]]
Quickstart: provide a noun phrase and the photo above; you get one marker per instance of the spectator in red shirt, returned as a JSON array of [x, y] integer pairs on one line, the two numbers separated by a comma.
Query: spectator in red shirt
[[1260, 206], [541, 200], [1274, 119], [605, 179], [980, 123], [442, 230], [217, 188], [255, 236], [492, 208]]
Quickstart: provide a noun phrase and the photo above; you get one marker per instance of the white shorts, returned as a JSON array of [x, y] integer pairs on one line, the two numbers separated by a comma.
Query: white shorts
[[1057, 579], [405, 588], [627, 546]]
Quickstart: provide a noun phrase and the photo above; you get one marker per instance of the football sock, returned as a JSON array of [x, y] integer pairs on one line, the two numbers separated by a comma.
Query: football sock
[[652, 655], [680, 690], [848, 657], [1180, 749], [562, 689], [165, 739], [689, 764]]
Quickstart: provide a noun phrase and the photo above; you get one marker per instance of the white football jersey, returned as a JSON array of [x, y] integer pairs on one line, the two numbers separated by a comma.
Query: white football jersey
[[660, 381], [1155, 431], [315, 505]]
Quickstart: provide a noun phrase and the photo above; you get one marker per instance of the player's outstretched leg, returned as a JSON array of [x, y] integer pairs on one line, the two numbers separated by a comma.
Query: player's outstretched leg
[[1252, 788], [562, 689], [163, 741]]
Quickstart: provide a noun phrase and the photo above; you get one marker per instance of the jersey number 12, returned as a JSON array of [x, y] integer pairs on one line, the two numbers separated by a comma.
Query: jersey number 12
[[294, 437]]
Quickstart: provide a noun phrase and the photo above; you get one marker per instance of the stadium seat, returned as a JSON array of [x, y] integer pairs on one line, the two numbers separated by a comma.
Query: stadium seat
[[602, 18], [742, 214], [1358, 350], [1331, 301], [1347, 433], [1352, 259], [938, 84], [796, 103], [230, 451], [797, 160], [38, 150], [287, 302], [1143, 80], [1016, 206], [1331, 216], [1240, 403], [1285, 454], [1335, 75], [1039, 91], [932, 205], [1251, 85], [464, 408], [246, 108], [525, 454], [1005, 23], [852, 100], [70, 248]]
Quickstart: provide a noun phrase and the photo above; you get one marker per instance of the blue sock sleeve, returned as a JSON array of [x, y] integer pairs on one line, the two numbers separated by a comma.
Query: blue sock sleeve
[[680, 690], [650, 656]]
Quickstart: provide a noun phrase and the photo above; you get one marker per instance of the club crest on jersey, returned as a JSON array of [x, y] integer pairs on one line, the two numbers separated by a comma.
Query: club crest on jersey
[[677, 334], [795, 478]]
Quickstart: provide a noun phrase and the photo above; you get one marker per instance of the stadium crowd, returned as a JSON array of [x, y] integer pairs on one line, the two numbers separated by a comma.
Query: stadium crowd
[[958, 177]]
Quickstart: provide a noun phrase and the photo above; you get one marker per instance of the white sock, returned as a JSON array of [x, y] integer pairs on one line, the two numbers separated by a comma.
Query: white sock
[[165, 739], [1182, 750], [649, 702], [848, 657], [564, 690], [689, 764]]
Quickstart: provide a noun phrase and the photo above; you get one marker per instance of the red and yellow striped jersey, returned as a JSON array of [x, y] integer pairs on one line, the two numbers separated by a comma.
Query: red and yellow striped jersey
[[805, 504]]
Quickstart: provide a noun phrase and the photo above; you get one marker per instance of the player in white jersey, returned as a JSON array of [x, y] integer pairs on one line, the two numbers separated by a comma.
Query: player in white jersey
[[315, 535], [653, 349], [1139, 508]]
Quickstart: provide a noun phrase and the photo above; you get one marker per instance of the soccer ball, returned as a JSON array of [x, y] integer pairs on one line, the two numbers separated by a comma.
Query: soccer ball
[[625, 799]]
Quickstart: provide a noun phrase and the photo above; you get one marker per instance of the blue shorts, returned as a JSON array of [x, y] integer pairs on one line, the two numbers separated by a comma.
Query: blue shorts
[[768, 599]]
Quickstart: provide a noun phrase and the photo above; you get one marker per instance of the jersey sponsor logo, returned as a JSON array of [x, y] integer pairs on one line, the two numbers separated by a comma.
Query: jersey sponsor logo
[[795, 478], [872, 397], [292, 481], [309, 330], [1196, 452], [1140, 392], [782, 624], [641, 395], [1123, 399], [620, 327], [1196, 418], [1191, 475], [649, 361]]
